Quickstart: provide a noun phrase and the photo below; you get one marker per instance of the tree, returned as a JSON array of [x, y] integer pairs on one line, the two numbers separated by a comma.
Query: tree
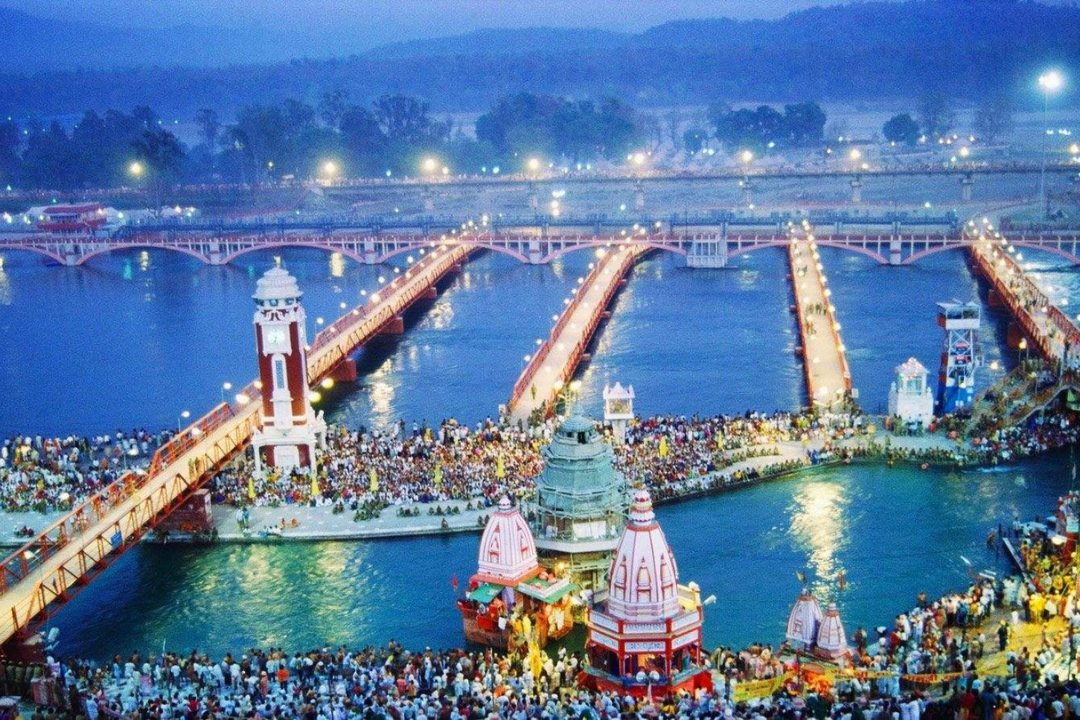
[[161, 155], [403, 118], [694, 140], [937, 114], [901, 129], [805, 123], [332, 108], [209, 126], [9, 152], [994, 117]]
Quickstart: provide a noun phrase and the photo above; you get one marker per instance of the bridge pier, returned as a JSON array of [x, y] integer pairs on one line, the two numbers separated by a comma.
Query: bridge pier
[[639, 195], [345, 371], [396, 326], [536, 256], [895, 251], [856, 190], [213, 252], [966, 184], [707, 254]]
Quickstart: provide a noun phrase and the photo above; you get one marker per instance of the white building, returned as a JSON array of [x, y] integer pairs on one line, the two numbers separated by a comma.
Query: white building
[[910, 397]]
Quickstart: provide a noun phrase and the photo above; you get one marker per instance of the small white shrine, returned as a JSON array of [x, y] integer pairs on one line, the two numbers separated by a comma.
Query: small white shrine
[[618, 409], [910, 397]]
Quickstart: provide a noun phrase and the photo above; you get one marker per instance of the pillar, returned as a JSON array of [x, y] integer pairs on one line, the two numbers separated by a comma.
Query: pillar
[[344, 371], [856, 190], [707, 254], [639, 196], [396, 326], [966, 184], [895, 248], [536, 255], [213, 252], [534, 198], [429, 199]]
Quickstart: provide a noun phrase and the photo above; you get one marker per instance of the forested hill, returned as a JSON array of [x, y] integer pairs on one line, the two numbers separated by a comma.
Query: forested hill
[[861, 51]]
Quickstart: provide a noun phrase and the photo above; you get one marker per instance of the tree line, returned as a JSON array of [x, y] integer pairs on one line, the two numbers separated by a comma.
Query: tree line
[[392, 136]]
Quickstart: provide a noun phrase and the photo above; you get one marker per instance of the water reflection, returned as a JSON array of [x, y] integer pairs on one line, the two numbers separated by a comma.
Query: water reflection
[[818, 511]]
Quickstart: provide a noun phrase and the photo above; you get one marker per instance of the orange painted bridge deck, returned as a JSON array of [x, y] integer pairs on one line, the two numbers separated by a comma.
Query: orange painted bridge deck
[[54, 566]]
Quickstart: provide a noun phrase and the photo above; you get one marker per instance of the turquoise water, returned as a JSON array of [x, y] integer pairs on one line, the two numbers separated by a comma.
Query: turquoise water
[[135, 339], [895, 532]]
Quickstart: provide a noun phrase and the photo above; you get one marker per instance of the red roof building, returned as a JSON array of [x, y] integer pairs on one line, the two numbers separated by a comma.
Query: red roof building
[[82, 219]]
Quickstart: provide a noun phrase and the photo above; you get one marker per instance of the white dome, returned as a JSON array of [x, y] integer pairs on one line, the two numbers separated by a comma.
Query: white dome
[[276, 284], [507, 551], [831, 638], [804, 621], [643, 581]]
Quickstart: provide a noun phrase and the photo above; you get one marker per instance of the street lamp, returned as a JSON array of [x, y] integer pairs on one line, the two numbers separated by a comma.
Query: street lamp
[[180, 420], [746, 156], [136, 169], [533, 164], [1050, 82], [225, 387]]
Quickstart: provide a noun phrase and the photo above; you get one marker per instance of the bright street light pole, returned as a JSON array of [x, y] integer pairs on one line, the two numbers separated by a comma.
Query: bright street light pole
[[1050, 82]]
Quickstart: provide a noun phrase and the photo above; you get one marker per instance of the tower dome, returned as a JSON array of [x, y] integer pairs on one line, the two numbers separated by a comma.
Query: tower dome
[[276, 285], [643, 581], [507, 551], [804, 620], [831, 638]]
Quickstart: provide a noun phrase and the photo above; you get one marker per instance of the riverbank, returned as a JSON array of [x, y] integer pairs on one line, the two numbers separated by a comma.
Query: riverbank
[[314, 524]]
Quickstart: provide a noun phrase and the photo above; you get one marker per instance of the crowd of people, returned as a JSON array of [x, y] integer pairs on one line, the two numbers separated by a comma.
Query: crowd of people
[[931, 663], [42, 474]]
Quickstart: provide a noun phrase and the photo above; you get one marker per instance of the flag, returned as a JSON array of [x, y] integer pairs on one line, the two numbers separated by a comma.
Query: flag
[[373, 483], [842, 579], [438, 474], [801, 576], [500, 468], [454, 582], [663, 447], [251, 488]]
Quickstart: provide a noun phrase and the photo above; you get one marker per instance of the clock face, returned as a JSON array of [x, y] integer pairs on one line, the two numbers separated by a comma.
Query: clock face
[[275, 338]]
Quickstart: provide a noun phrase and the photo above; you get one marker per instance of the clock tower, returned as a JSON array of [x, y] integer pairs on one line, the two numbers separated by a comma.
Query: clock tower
[[290, 430]]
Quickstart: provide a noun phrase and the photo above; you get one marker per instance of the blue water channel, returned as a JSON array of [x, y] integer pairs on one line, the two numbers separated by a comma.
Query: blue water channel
[[134, 339]]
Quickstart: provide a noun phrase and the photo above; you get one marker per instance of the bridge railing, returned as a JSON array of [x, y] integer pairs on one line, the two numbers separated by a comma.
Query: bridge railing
[[21, 563]]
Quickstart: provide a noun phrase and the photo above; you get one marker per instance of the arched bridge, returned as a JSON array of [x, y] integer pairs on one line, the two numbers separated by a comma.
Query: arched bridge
[[703, 249]]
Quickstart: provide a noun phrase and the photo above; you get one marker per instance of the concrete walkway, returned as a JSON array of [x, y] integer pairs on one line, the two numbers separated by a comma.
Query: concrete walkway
[[554, 362], [827, 377]]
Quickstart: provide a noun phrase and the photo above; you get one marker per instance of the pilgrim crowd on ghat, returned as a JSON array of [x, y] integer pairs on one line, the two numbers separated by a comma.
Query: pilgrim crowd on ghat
[[1002, 648], [367, 469]]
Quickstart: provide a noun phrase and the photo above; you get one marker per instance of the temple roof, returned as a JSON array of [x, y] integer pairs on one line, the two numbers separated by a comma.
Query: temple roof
[[276, 284], [803, 621], [643, 581], [507, 553]]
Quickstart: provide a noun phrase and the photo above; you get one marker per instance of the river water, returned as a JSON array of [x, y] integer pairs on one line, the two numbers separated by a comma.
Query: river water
[[134, 339]]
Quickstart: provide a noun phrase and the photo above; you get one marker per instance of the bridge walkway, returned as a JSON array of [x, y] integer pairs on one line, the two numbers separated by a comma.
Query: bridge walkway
[[53, 567], [828, 378], [552, 365]]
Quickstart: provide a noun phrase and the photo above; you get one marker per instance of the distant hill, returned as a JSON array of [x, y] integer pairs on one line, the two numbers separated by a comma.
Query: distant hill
[[849, 52]]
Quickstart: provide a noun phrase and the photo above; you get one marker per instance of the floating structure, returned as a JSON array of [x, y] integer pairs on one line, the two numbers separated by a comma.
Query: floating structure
[[618, 409], [956, 381], [511, 601], [290, 432], [910, 398], [581, 504], [645, 631]]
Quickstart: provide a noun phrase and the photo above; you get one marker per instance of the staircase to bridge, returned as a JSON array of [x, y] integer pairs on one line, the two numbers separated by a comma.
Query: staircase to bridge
[[37, 579]]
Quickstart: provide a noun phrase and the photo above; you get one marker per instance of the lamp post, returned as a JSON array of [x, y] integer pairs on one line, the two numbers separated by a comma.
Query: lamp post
[[180, 420], [1050, 82]]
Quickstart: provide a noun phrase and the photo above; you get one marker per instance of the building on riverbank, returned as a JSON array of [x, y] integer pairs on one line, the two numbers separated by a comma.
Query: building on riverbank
[[581, 504]]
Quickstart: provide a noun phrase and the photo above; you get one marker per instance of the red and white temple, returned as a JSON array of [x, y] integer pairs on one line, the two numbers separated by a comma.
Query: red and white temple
[[290, 432], [511, 600], [645, 631]]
